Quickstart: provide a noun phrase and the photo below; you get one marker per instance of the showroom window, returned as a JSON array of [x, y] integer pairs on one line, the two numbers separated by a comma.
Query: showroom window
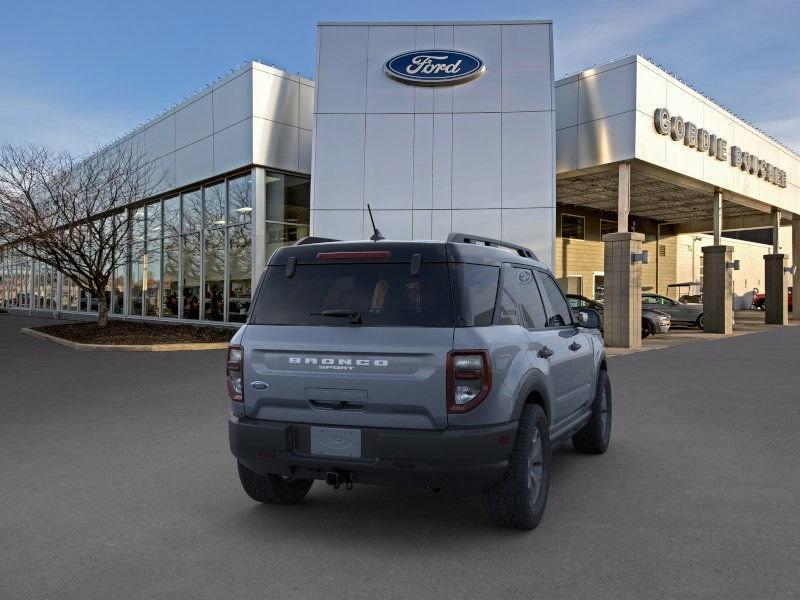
[[288, 210], [573, 227], [607, 227], [190, 255]]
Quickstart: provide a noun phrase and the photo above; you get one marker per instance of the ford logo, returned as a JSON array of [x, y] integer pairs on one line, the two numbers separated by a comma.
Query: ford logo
[[338, 443], [434, 67]]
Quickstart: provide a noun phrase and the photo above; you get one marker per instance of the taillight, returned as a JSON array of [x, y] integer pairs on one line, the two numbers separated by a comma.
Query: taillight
[[233, 373], [469, 379]]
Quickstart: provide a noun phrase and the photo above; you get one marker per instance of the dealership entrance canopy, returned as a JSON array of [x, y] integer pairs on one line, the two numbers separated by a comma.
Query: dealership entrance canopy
[[633, 140], [444, 127]]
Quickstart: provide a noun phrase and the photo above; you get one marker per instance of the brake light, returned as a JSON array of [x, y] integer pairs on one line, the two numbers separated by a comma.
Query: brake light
[[233, 373], [367, 255], [469, 379]]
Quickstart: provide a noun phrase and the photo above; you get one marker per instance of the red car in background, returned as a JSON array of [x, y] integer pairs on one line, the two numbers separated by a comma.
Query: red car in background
[[760, 300]]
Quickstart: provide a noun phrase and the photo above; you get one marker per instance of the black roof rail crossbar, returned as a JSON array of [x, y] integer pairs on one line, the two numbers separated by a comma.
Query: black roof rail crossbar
[[466, 238], [313, 240]]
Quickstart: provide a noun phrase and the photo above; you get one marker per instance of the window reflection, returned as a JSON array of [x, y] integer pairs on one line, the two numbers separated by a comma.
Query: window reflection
[[239, 273], [192, 211], [191, 276], [239, 209], [215, 205], [169, 277], [152, 278], [282, 234], [137, 225], [119, 291], [153, 220], [172, 216], [135, 281], [288, 198], [214, 293]]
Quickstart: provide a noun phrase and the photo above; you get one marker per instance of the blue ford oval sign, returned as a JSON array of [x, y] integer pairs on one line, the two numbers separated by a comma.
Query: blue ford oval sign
[[434, 67]]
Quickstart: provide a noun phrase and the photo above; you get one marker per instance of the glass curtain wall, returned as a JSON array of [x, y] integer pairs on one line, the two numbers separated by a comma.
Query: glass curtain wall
[[189, 257]]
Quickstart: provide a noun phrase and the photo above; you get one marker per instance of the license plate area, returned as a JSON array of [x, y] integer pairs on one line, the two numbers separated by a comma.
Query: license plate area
[[335, 441]]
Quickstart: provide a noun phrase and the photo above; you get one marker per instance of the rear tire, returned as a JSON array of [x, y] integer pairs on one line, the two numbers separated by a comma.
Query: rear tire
[[645, 329], [518, 500], [699, 321], [596, 434], [273, 489]]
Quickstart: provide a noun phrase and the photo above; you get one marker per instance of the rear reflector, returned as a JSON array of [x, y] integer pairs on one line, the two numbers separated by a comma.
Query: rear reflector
[[368, 255]]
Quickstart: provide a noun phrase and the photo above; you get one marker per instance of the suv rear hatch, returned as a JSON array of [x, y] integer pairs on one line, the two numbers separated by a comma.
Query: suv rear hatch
[[351, 334]]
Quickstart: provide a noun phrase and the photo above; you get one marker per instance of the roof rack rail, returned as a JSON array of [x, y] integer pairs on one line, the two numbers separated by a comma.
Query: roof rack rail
[[313, 240], [466, 238]]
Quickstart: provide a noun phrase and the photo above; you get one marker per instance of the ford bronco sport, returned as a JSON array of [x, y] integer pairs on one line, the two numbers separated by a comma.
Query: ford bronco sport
[[449, 365]]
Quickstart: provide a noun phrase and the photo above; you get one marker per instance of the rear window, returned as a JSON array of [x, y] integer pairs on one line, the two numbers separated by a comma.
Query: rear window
[[383, 295]]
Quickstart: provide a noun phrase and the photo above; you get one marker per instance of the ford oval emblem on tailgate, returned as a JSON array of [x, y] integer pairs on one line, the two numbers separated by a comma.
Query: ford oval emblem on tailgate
[[259, 385]]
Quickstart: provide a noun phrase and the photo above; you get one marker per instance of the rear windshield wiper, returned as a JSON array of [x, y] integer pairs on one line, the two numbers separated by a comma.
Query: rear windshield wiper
[[343, 313]]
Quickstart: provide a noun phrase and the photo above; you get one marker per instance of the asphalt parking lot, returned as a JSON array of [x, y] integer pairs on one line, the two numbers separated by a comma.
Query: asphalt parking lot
[[116, 482]]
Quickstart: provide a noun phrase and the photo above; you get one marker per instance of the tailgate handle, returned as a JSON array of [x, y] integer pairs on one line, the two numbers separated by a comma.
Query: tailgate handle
[[336, 404]]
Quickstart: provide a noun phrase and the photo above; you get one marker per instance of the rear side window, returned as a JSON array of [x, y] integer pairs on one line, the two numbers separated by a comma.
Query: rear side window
[[475, 289], [533, 315], [559, 314], [383, 295]]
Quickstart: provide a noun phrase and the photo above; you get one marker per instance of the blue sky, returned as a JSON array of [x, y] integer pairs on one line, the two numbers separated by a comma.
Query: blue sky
[[75, 74]]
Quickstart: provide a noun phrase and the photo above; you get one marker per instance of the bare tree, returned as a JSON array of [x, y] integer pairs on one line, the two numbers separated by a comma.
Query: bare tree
[[70, 213]]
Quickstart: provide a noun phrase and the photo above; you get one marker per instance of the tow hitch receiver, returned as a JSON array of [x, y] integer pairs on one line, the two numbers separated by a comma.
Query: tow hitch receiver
[[339, 478]]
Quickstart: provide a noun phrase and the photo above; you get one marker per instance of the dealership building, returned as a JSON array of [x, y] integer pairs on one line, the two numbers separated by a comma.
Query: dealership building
[[620, 177]]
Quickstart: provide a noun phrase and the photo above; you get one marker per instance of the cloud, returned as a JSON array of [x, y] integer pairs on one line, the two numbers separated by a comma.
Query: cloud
[[39, 117]]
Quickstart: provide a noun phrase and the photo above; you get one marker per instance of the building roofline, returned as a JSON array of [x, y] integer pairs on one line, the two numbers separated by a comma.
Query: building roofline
[[637, 58], [235, 72]]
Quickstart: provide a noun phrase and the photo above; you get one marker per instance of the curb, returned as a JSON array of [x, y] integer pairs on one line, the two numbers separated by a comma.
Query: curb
[[124, 347]]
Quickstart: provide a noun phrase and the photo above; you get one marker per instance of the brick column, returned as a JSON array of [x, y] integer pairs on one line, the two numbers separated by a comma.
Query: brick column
[[622, 314], [777, 312], [717, 290]]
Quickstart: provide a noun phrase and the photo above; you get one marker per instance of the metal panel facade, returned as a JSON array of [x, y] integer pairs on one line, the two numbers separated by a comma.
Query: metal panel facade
[[256, 115], [606, 114], [478, 156]]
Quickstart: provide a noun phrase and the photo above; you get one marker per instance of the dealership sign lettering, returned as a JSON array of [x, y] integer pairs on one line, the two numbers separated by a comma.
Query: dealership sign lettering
[[704, 141], [434, 67]]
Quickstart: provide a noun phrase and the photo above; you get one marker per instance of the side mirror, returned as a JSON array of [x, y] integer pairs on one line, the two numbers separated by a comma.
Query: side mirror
[[589, 318]]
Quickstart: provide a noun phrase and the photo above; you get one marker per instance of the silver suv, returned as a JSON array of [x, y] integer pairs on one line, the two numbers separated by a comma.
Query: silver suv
[[448, 365]]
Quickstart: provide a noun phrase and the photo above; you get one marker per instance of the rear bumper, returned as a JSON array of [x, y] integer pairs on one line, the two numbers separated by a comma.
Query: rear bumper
[[462, 459]]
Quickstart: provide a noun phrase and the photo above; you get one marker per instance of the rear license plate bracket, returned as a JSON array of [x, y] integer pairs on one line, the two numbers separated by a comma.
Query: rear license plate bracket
[[336, 441]]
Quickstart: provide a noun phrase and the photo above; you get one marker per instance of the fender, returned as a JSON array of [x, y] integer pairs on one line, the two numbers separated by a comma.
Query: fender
[[533, 381]]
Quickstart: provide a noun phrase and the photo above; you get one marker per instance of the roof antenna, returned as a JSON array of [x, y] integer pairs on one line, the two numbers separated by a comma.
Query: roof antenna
[[377, 235]]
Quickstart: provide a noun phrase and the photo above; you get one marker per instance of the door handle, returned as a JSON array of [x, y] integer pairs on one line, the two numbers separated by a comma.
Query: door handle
[[545, 352], [574, 346]]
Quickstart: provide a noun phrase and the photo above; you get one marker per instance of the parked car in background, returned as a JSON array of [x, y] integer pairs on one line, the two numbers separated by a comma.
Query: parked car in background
[[681, 313], [760, 300], [653, 321]]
